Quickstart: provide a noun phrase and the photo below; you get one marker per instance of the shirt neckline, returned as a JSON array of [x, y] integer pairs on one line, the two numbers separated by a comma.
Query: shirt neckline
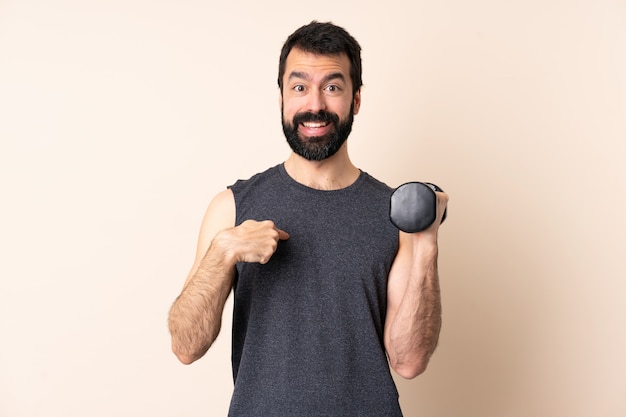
[[292, 182]]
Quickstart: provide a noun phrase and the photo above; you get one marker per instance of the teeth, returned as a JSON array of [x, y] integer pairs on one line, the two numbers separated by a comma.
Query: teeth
[[314, 124]]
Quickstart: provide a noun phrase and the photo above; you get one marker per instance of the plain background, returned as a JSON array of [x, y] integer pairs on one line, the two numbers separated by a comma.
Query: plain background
[[120, 119]]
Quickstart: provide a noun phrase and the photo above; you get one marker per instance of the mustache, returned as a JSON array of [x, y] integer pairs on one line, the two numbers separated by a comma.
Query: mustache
[[321, 116]]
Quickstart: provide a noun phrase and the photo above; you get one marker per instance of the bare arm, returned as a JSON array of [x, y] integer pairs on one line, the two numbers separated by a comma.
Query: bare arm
[[414, 304], [196, 316]]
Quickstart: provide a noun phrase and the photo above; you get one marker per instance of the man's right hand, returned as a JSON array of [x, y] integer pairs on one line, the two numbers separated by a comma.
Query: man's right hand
[[251, 241]]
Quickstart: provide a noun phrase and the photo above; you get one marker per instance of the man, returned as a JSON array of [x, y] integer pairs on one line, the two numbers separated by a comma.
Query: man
[[327, 293]]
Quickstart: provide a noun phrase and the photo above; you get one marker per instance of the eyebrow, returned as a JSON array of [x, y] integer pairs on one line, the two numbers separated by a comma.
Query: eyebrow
[[305, 76]]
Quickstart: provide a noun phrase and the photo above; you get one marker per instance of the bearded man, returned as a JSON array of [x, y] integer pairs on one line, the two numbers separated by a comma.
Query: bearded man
[[328, 294]]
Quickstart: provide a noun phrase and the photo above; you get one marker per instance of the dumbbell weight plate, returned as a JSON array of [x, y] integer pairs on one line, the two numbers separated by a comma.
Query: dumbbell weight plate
[[413, 206]]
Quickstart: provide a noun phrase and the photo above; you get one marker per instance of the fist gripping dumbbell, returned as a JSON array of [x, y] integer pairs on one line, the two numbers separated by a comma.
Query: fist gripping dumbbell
[[413, 206]]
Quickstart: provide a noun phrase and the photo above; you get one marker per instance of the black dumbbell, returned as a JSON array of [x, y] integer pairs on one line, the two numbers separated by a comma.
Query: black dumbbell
[[413, 206]]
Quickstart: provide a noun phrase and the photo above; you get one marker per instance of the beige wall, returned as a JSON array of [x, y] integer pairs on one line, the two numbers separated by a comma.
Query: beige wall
[[120, 119]]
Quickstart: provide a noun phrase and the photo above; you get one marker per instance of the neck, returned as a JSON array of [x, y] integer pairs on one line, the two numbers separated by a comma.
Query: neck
[[334, 173]]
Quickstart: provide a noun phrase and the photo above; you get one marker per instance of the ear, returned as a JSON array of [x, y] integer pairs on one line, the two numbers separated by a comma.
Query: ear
[[280, 99], [357, 102]]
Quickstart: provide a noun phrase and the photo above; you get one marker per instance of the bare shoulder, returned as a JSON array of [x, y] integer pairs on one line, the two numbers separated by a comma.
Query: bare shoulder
[[223, 204], [219, 215]]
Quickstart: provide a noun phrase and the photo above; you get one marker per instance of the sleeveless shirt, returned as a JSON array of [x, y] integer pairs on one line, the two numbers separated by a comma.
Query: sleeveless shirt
[[308, 326]]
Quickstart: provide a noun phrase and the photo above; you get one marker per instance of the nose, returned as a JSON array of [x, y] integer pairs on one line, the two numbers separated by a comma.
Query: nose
[[315, 101]]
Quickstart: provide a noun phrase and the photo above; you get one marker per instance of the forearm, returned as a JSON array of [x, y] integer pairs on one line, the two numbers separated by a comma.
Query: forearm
[[196, 316], [413, 332]]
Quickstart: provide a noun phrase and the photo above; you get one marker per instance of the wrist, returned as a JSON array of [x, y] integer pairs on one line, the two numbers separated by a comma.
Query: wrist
[[425, 245], [222, 250]]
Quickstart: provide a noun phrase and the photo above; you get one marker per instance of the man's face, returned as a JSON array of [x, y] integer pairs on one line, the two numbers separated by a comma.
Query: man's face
[[317, 103]]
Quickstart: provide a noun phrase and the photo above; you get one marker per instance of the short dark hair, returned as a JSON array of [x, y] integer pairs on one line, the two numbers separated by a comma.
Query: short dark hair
[[324, 39]]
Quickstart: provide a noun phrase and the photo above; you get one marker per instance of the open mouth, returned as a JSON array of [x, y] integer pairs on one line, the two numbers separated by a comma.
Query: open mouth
[[315, 129], [314, 125]]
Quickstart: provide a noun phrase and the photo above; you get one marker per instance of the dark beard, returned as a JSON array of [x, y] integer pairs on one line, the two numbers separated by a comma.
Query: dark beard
[[317, 148]]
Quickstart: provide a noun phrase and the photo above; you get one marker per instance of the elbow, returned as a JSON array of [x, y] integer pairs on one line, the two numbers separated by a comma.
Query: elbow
[[410, 369], [185, 359], [185, 356], [410, 372], [188, 348]]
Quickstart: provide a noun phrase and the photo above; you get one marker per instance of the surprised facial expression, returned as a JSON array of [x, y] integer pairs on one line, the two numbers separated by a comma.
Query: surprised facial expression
[[317, 103]]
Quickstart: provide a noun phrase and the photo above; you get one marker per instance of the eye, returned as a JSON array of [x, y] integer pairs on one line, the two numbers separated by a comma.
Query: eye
[[299, 88], [333, 88]]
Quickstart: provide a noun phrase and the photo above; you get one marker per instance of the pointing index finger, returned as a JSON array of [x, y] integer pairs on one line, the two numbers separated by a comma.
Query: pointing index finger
[[282, 235]]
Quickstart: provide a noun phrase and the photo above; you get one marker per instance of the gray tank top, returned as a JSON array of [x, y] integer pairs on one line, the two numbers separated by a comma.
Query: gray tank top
[[308, 325]]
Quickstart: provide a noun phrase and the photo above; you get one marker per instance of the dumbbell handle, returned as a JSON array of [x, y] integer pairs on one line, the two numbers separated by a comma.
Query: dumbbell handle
[[413, 206]]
